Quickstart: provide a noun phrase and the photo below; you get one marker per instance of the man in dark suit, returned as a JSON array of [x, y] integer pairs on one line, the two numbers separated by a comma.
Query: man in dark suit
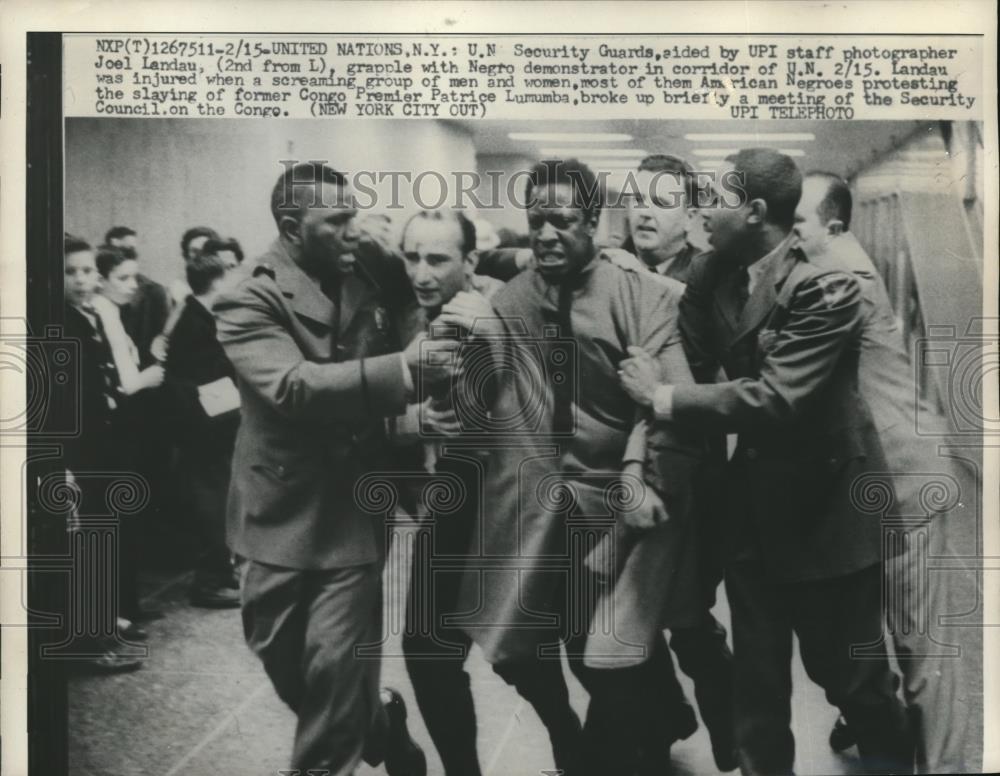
[[439, 246], [804, 558], [196, 364], [932, 679], [313, 337]]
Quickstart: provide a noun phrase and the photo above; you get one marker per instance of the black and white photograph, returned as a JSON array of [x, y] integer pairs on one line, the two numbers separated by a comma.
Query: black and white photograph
[[452, 401]]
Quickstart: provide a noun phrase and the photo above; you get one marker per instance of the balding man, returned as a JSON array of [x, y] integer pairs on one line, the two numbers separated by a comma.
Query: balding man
[[932, 683]]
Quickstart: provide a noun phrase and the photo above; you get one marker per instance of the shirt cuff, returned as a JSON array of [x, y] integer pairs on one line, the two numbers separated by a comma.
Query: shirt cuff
[[407, 377], [663, 402]]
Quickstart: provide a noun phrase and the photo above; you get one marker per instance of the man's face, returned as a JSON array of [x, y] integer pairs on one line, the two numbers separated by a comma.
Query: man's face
[[434, 260], [812, 233], [121, 283], [657, 215], [194, 247], [726, 223], [328, 233], [561, 237], [80, 277]]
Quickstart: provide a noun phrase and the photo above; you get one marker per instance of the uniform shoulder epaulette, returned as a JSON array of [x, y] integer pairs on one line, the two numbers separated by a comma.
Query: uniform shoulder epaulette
[[264, 269]]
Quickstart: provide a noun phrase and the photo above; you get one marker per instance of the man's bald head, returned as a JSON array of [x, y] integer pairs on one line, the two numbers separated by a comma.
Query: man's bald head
[[824, 210]]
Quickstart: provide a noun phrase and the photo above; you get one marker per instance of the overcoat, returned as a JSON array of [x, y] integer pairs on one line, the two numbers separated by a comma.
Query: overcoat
[[553, 486], [317, 377]]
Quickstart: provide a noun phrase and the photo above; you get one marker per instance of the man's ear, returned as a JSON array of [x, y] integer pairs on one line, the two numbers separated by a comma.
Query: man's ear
[[757, 211], [471, 262], [290, 228], [835, 227]]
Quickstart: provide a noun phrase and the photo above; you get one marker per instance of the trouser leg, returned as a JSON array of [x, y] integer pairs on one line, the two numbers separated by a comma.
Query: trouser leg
[[933, 671], [209, 481], [830, 618], [619, 730], [305, 627], [435, 661], [541, 683], [704, 655], [762, 683]]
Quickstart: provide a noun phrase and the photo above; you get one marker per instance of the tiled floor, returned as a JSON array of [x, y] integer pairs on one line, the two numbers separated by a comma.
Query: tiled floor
[[202, 706]]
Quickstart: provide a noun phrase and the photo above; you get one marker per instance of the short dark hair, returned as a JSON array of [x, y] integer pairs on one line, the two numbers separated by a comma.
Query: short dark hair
[[203, 270], [676, 165], [215, 247], [194, 233], [587, 192], [773, 177], [117, 233], [74, 244], [838, 201], [468, 228], [287, 195], [109, 257]]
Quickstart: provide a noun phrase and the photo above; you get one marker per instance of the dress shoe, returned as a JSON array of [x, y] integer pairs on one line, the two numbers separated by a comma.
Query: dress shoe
[[216, 598], [129, 631], [403, 756], [724, 754], [109, 661], [841, 737]]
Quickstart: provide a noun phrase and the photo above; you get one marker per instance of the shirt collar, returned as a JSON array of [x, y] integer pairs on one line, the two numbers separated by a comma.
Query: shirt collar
[[759, 268]]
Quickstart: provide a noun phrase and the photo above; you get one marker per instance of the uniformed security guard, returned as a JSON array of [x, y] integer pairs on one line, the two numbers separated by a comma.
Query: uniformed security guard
[[312, 335], [804, 558]]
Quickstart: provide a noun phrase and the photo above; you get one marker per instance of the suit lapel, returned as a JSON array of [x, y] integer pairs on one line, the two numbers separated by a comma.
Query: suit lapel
[[302, 291], [765, 293]]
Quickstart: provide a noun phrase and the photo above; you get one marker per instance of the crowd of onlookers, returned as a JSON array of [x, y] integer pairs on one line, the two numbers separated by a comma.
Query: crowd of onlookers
[[157, 402]]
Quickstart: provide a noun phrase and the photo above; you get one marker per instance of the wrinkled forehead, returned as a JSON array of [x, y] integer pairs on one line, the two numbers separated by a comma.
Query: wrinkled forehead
[[434, 235], [555, 196], [661, 184]]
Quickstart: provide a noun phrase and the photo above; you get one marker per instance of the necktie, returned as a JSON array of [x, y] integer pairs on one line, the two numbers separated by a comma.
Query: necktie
[[109, 373]]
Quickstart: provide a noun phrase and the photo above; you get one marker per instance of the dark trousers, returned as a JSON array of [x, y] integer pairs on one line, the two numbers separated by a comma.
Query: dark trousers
[[829, 617], [207, 473], [704, 656], [306, 626], [435, 652]]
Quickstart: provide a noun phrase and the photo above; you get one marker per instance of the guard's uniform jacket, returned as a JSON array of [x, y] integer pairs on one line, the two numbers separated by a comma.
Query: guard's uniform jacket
[[317, 376]]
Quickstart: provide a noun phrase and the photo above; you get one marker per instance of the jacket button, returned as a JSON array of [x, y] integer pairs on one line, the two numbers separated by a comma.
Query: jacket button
[[281, 470], [752, 453]]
